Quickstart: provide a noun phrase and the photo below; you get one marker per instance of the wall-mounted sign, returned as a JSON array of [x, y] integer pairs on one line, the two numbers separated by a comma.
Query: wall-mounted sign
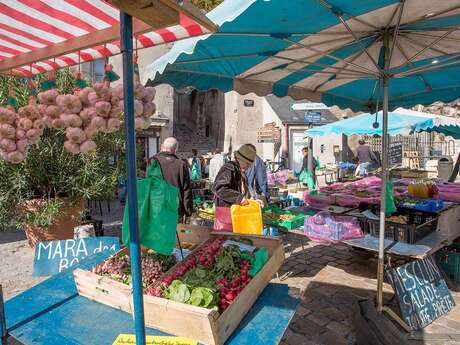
[[309, 106], [248, 102], [312, 116]]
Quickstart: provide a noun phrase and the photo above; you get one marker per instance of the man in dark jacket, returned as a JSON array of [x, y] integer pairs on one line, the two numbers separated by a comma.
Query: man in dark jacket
[[176, 172], [230, 186]]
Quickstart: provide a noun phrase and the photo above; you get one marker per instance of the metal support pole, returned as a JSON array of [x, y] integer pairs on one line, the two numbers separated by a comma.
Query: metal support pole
[[126, 34], [3, 330], [384, 180]]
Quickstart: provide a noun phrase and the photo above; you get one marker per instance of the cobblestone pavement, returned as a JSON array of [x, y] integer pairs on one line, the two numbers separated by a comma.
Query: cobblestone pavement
[[329, 280]]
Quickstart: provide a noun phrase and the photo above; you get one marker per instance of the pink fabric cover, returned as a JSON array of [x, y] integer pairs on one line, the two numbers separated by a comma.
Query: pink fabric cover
[[329, 228]]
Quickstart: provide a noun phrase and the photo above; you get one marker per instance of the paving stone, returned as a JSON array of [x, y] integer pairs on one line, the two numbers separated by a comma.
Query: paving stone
[[319, 319], [302, 311], [344, 261], [306, 327], [339, 327], [320, 260], [314, 254], [331, 338], [297, 339], [329, 258], [333, 314]]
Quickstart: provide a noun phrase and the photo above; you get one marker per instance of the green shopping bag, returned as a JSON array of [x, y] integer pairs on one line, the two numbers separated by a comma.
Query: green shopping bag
[[307, 178], [390, 206], [196, 175], [158, 204]]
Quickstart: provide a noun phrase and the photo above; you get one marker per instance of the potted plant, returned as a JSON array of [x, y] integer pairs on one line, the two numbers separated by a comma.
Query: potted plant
[[45, 194]]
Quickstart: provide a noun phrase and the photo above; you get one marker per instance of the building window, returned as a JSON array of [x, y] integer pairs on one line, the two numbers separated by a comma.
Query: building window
[[93, 70]]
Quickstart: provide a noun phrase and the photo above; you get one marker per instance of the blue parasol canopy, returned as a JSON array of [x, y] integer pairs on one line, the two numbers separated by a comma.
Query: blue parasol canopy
[[397, 124]]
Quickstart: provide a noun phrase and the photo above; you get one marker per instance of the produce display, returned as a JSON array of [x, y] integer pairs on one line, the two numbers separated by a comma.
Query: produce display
[[213, 275], [118, 267], [422, 189], [400, 219], [279, 216], [273, 215], [19, 129]]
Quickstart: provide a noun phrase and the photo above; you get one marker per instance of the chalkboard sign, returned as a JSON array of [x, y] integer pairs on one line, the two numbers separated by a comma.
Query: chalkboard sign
[[395, 153], [312, 116], [52, 257], [422, 292]]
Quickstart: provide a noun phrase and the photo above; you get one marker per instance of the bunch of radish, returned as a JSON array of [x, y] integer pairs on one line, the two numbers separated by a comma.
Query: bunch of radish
[[229, 289]]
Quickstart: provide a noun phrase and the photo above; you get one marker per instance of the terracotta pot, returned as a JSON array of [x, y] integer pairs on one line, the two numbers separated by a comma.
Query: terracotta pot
[[63, 225]]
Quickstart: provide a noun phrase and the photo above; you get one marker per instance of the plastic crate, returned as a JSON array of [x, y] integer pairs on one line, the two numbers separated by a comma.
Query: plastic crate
[[428, 205], [420, 225], [289, 224], [448, 258]]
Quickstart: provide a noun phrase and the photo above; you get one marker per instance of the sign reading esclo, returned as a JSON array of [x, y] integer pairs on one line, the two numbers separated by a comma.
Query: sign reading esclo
[[52, 257], [422, 292]]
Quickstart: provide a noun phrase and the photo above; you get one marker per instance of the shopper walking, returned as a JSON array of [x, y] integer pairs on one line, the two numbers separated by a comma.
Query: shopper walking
[[176, 172], [216, 163]]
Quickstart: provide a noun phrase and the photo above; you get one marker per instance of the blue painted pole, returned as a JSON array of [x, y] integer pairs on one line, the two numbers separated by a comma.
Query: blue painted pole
[[2, 319], [126, 34]]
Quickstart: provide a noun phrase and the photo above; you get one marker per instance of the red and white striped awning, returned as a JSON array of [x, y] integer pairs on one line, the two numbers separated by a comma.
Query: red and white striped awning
[[30, 25]]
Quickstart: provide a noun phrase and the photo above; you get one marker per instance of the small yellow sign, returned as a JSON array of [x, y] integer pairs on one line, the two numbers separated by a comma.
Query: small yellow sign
[[130, 339]]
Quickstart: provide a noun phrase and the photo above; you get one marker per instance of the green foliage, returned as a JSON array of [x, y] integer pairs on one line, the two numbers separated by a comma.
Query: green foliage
[[44, 216], [207, 5], [50, 172]]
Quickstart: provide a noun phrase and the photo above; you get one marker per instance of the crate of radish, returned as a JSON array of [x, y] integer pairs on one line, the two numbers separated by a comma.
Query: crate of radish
[[205, 296], [110, 281]]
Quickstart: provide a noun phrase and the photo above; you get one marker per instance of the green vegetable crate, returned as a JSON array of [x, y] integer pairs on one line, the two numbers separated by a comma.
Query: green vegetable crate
[[290, 224], [449, 260], [207, 326]]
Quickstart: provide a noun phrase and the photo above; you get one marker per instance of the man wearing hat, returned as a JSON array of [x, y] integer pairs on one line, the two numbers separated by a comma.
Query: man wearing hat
[[365, 158], [230, 186]]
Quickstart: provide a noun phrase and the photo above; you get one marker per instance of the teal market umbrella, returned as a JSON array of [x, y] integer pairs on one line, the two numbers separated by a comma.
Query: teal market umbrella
[[371, 124], [363, 55]]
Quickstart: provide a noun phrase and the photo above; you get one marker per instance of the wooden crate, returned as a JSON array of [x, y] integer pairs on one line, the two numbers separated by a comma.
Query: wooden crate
[[191, 236], [118, 295], [204, 325], [104, 289]]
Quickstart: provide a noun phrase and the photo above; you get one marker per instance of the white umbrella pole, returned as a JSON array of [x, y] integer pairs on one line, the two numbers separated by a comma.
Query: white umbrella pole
[[384, 182]]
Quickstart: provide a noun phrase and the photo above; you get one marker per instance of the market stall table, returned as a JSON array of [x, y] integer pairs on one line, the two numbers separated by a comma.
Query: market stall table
[[52, 313]]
